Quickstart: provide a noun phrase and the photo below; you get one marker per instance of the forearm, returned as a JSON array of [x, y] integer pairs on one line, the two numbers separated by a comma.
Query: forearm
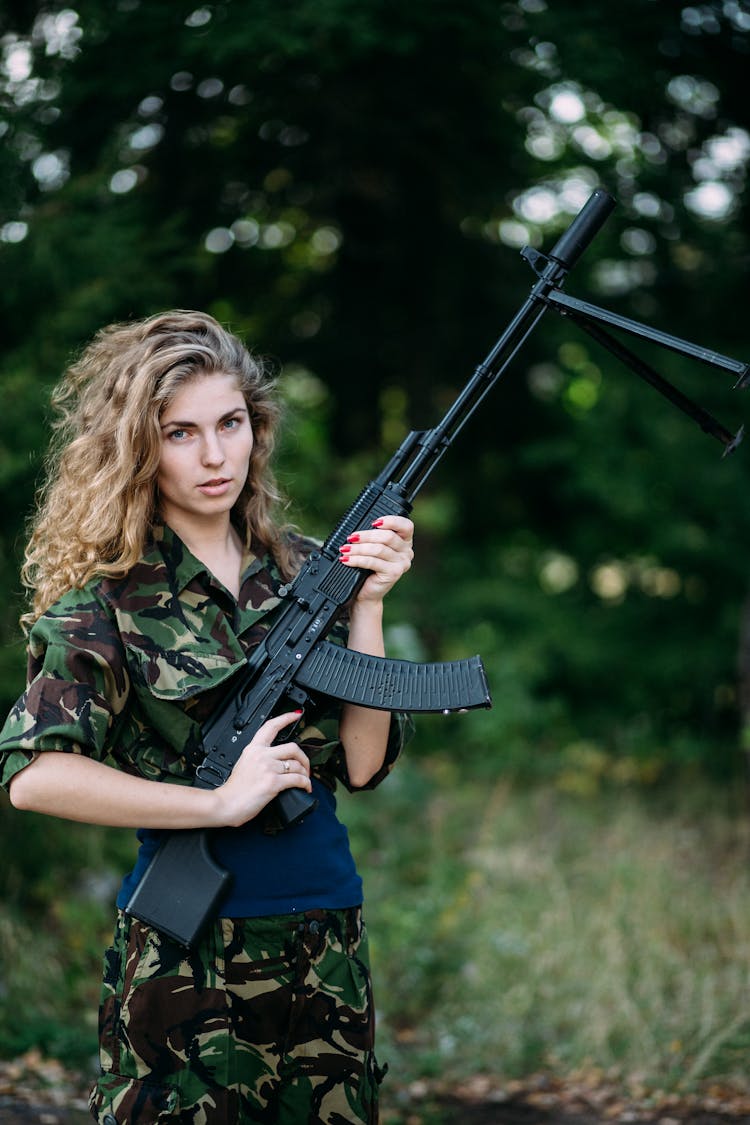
[[78, 788], [364, 731]]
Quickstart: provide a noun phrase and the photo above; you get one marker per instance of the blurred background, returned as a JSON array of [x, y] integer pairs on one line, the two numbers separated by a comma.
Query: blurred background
[[560, 882]]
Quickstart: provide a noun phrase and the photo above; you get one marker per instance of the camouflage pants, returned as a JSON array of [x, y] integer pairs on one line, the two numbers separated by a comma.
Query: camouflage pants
[[267, 1020]]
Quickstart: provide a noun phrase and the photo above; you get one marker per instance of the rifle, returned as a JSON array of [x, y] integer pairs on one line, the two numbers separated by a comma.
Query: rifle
[[183, 886]]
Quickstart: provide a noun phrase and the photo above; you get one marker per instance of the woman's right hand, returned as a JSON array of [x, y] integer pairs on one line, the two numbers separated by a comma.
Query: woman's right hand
[[261, 773]]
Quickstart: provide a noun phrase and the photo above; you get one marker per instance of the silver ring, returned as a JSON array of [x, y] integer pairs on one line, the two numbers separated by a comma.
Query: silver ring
[[287, 766]]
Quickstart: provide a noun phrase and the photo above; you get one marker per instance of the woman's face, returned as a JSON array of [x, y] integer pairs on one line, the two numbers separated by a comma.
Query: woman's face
[[207, 441]]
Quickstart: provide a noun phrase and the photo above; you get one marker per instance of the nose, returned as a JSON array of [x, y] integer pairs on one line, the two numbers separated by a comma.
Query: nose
[[212, 452]]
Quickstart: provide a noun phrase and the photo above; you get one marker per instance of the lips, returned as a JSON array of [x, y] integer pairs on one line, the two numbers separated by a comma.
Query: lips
[[216, 487]]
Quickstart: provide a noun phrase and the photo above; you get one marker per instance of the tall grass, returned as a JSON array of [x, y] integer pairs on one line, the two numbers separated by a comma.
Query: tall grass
[[57, 885], [517, 930], [513, 929]]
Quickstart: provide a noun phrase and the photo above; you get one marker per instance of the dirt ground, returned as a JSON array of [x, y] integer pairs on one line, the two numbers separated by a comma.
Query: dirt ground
[[447, 1111], [35, 1091]]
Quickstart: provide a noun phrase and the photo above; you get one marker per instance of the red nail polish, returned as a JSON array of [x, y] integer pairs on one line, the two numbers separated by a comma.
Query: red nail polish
[[353, 538], [344, 547], [377, 523]]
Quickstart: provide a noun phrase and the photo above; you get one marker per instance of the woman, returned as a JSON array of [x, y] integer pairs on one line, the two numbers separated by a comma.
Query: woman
[[155, 564]]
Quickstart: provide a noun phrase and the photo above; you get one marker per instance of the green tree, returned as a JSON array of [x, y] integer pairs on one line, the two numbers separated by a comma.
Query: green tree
[[348, 184]]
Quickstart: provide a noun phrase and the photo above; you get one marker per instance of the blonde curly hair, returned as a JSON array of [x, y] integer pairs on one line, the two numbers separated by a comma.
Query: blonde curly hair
[[98, 504]]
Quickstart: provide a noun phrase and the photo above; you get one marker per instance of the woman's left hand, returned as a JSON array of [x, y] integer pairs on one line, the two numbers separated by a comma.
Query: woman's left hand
[[386, 549]]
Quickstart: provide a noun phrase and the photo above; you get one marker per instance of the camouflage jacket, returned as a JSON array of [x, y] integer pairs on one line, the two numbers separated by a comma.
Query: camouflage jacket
[[125, 670]]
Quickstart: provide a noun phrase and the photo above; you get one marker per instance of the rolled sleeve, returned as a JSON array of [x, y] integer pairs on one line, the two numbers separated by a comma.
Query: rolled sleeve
[[328, 757], [401, 730], [76, 687]]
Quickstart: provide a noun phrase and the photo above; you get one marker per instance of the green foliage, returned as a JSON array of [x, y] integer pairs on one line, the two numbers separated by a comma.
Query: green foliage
[[55, 920], [347, 185], [519, 930], [513, 929]]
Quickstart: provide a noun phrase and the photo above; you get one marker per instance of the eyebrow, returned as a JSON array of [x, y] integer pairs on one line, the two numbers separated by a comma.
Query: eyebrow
[[185, 425]]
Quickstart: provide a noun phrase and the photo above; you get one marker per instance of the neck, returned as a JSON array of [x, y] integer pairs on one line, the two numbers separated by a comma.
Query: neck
[[203, 535], [217, 544]]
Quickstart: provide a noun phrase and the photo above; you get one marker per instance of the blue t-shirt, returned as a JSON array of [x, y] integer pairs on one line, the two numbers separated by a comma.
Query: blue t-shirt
[[307, 866]]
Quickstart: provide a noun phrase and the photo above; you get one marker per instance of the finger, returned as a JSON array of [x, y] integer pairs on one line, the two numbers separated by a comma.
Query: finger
[[274, 726], [385, 563], [293, 769], [403, 526], [390, 536], [290, 752], [392, 528], [294, 780], [363, 546], [384, 574]]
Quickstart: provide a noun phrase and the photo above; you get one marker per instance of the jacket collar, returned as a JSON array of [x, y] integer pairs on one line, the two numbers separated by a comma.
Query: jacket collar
[[166, 549]]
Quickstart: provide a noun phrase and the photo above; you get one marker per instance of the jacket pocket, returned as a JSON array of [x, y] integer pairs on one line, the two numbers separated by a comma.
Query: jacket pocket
[[180, 672], [116, 1100]]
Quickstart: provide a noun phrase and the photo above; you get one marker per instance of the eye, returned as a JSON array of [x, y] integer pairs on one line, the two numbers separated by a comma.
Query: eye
[[177, 435], [232, 423]]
